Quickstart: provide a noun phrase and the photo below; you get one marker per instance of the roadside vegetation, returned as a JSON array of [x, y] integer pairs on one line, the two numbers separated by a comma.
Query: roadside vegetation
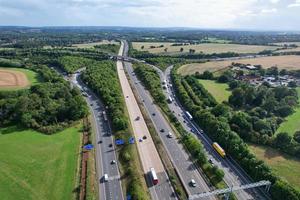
[[37, 166], [103, 79], [230, 125], [72, 63]]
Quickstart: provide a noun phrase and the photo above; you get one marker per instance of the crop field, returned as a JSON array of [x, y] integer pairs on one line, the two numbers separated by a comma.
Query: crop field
[[292, 123], [218, 90], [38, 166], [91, 45], [282, 62], [207, 48], [284, 165], [17, 78]]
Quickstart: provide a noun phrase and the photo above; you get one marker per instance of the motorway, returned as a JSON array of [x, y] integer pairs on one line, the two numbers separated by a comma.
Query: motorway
[[110, 190], [179, 157], [234, 174], [147, 151]]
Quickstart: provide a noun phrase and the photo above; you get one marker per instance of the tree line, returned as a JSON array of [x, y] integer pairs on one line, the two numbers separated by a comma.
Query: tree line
[[218, 129]]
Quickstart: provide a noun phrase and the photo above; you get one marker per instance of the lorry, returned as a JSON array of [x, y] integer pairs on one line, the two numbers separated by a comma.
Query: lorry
[[153, 176], [219, 149]]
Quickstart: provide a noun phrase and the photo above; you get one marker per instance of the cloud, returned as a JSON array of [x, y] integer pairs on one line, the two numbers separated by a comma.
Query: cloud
[[295, 4], [267, 11], [159, 13]]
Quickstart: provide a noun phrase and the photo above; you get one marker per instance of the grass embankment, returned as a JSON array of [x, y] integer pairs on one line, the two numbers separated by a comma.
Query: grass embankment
[[292, 122], [38, 166], [218, 90], [282, 164]]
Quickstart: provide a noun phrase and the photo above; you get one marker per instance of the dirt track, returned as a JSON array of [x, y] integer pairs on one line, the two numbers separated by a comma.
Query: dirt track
[[12, 79]]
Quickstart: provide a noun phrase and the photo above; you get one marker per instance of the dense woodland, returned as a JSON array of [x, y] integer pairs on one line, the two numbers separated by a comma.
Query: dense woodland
[[216, 123], [47, 107]]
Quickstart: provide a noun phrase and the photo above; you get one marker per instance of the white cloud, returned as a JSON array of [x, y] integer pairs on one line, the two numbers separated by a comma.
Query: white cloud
[[267, 11], [274, 1], [295, 4]]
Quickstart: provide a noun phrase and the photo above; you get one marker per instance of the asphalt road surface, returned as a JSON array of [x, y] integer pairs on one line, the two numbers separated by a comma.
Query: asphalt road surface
[[105, 153], [180, 159], [148, 154], [234, 174]]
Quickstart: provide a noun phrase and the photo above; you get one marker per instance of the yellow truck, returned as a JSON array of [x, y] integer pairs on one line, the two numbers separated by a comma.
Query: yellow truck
[[219, 149]]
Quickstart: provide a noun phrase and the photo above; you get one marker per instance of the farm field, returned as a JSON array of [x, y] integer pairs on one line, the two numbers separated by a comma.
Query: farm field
[[292, 123], [17, 78], [38, 166], [289, 50], [291, 62], [207, 48], [218, 90], [288, 43], [284, 165], [91, 45]]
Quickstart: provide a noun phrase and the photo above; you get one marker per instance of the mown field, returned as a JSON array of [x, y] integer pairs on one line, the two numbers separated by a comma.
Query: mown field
[[92, 44], [285, 166], [32, 77], [207, 48], [292, 123], [219, 90], [37, 166], [282, 62]]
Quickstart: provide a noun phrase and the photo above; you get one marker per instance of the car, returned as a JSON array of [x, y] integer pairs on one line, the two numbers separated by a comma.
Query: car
[[193, 183], [137, 118], [170, 135], [100, 141], [153, 114], [144, 137], [127, 96], [210, 161], [141, 140], [162, 130], [113, 162], [110, 145], [91, 104]]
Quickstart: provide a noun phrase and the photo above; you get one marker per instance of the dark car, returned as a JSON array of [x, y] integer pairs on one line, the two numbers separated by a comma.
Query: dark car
[[110, 145], [162, 130], [144, 137], [100, 141], [153, 114]]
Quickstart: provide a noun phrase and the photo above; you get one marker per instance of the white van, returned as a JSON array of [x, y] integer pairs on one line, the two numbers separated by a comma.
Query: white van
[[105, 177], [193, 183], [170, 135]]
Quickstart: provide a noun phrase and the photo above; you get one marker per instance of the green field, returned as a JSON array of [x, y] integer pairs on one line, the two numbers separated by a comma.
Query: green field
[[207, 48], [292, 123], [285, 166], [219, 90], [38, 166]]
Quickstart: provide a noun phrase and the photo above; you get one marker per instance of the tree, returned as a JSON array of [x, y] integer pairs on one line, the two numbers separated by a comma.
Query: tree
[[237, 97], [181, 49], [207, 75], [297, 136], [142, 47], [283, 140]]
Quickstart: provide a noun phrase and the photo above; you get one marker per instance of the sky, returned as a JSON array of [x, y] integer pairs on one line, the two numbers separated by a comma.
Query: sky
[[207, 14]]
